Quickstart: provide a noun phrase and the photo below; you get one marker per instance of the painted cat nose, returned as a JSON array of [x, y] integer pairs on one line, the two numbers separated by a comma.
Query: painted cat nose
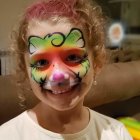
[[58, 76], [60, 81]]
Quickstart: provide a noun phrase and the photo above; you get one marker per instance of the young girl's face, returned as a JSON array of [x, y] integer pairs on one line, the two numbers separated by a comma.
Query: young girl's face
[[59, 64]]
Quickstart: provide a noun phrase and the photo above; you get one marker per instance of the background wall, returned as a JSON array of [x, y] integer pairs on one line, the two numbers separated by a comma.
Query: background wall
[[130, 13], [10, 11]]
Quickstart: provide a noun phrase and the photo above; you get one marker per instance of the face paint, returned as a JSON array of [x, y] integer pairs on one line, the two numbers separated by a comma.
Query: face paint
[[58, 60], [73, 39]]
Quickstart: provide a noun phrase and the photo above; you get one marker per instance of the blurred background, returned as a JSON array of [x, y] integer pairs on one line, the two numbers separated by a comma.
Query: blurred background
[[117, 93], [126, 13]]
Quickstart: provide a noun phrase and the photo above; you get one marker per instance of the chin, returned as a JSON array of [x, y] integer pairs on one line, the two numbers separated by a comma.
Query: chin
[[63, 101], [64, 107]]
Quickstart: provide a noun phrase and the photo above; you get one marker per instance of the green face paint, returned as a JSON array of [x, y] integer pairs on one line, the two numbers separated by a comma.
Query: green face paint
[[73, 39]]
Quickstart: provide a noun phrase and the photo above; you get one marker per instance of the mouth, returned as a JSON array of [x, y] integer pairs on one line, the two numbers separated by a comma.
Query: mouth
[[56, 88], [61, 90]]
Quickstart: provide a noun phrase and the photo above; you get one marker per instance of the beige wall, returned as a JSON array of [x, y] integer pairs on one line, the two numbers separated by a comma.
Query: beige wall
[[131, 12], [9, 15]]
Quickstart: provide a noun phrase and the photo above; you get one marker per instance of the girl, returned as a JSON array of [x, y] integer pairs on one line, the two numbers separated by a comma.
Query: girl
[[61, 48]]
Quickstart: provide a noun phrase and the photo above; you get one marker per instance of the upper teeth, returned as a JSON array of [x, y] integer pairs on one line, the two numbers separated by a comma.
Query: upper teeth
[[61, 91]]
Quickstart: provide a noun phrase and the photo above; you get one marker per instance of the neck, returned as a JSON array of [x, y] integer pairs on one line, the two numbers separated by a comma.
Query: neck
[[62, 116], [61, 121]]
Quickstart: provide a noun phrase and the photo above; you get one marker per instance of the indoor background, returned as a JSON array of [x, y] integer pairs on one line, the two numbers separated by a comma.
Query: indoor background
[[117, 92]]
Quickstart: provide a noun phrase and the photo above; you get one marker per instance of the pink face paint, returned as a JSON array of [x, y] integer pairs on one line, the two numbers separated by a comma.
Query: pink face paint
[[58, 77], [60, 81]]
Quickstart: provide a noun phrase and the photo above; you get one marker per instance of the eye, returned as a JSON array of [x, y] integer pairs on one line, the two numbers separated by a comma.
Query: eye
[[41, 63], [73, 58]]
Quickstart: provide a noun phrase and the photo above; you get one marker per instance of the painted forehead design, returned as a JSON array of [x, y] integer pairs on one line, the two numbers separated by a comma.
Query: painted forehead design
[[74, 38]]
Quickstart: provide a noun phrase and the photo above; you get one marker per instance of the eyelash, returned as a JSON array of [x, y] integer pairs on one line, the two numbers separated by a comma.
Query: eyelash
[[38, 64], [74, 58], [70, 59]]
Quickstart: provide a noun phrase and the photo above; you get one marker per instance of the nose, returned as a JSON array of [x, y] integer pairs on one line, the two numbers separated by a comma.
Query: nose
[[60, 76], [59, 72], [60, 80]]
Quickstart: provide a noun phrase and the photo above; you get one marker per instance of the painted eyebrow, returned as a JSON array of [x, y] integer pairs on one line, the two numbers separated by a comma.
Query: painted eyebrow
[[56, 39], [36, 42]]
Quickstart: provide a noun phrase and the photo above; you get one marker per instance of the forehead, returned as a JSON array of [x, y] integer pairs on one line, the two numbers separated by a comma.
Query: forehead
[[42, 28]]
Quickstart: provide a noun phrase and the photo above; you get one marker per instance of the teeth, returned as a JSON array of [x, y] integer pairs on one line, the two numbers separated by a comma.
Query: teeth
[[62, 91]]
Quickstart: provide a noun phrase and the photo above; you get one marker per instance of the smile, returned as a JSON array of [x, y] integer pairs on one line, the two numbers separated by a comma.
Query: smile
[[60, 90], [54, 87]]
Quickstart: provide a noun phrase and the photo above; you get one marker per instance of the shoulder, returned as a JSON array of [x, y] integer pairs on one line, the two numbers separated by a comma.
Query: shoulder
[[13, 122], [103, 119], [108, 126], [12, 127]]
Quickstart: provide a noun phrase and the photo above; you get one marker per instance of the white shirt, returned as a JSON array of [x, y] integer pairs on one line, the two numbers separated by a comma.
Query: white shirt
[[100, 127]]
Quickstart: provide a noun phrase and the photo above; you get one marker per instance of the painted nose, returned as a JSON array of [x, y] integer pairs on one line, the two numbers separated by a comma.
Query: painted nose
[[60, 81], [59, 76]]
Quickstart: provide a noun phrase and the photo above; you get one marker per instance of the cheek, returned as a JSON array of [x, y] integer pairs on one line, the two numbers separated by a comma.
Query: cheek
[[81, 69], [39, 75]]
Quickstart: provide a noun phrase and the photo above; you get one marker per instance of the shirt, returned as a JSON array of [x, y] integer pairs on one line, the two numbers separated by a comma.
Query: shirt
[[100, 127]]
